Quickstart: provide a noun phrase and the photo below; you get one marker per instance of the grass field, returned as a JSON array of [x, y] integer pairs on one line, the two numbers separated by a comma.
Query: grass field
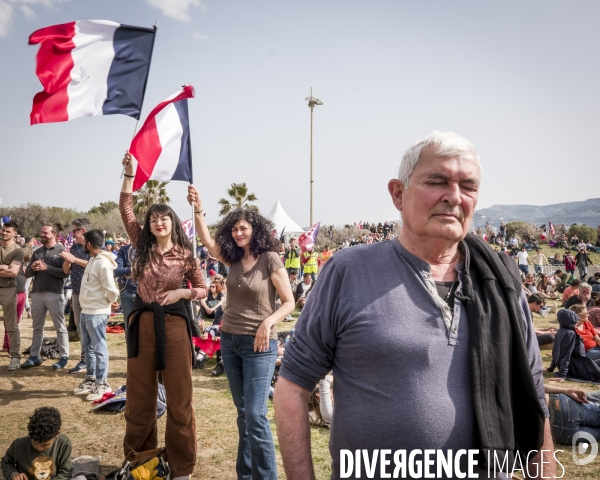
[[101, 434]]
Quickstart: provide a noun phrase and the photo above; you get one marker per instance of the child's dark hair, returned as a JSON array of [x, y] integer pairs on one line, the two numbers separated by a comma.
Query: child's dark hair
[[44, 424]]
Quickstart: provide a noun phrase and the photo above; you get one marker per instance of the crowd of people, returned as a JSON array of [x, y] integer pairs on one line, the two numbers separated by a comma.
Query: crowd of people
[[243, 281]]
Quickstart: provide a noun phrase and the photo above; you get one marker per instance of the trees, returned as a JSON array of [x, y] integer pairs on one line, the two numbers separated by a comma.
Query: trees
[[104, 207], [583, 232], [152, 192], [239, 199]]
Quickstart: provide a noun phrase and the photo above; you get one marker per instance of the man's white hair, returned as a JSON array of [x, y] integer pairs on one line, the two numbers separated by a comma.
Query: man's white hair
[[447, 144], [585, 286]]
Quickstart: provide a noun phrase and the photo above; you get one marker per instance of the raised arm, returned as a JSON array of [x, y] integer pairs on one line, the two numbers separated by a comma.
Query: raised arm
[[126, 201], [200, 223]]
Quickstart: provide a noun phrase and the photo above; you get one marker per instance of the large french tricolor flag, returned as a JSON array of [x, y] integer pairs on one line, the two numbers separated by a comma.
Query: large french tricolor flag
[[162, 146], [90, 68]]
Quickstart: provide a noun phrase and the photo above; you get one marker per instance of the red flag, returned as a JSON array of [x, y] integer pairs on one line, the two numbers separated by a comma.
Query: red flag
[[308, 239]]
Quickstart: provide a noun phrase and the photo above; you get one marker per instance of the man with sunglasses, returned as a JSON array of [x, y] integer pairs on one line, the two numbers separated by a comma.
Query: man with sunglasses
[[75, 262]]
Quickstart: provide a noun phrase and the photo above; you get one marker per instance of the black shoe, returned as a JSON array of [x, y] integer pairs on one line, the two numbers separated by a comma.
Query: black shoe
[[199, 364], [218, 370]]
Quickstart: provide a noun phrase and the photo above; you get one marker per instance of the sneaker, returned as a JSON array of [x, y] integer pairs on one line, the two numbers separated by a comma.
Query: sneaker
[[544, 311], [80, 367], [218, 370], [85, 387], [62, 363], [14, 364], [32, 362], [98, 392], [289, 318]]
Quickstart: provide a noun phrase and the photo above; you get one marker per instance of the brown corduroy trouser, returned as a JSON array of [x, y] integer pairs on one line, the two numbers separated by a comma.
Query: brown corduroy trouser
[[142, 389]]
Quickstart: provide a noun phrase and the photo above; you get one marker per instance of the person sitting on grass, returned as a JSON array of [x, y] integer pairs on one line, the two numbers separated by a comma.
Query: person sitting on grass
[[591, 339], [583, 296], [320, 404], [568, 354], [545, 288], [572, 411], [528, 284], [45, 454], [561, 280], [570, 291]]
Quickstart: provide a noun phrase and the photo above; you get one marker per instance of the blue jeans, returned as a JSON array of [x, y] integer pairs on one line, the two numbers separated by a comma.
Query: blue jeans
[[93, 333], [524, 268], [249, 374], [127, 301], [538, 268], [567, 417], [594, 353]]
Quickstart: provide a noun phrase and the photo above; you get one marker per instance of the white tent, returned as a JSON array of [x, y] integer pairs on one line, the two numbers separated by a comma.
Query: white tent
[[283, 220]]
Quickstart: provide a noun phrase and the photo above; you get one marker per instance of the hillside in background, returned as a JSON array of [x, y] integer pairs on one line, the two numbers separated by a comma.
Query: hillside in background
[[586, 212]]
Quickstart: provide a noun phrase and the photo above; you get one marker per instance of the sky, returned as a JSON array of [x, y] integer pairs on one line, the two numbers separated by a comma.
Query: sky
[[518, 79]]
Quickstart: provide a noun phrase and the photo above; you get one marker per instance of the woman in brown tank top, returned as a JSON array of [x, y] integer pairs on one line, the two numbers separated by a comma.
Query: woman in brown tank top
[[159, 332], [248, 335]]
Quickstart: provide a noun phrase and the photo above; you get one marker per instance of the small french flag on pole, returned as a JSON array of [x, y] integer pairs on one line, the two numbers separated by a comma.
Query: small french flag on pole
[[162, 146], [90, 68]]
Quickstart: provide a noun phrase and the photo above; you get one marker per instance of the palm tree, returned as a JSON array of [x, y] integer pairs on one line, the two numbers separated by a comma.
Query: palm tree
[[239, 198], [152, 192]]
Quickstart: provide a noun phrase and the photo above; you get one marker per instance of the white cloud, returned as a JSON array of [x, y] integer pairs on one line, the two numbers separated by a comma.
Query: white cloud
[[7, 11], [28, 12], [199, 36], [177, 9]]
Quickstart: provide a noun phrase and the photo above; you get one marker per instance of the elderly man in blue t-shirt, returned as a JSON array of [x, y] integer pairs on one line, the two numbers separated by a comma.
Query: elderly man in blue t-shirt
[[459, 371]]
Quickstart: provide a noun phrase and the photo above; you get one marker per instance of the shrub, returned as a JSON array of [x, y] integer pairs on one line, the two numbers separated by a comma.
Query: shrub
[[521, 230], [583, 232]]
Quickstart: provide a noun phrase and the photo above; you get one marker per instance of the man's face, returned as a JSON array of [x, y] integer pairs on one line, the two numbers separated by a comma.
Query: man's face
[[585, 294], [293, 277], [78, 234], [87, 247], [307, 279], [535, 307], [8, 233], [442, 196], [293, 242], [47, 235]]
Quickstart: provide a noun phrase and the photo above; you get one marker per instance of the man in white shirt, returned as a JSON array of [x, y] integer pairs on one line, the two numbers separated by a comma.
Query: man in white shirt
[[523, 260]]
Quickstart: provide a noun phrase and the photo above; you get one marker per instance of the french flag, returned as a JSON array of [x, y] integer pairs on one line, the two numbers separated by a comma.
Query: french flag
[[162, 146], [90, 68]]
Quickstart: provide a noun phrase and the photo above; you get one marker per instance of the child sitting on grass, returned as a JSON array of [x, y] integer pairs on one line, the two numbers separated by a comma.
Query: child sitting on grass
[[43, 455]]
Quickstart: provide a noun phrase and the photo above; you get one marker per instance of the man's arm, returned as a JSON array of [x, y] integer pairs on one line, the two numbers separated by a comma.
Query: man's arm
[[11, 270], [293, 429], [543, 463], [122, 270]]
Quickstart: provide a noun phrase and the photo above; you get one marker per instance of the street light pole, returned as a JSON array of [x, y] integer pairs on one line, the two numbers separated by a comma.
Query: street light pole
[[312, 101]]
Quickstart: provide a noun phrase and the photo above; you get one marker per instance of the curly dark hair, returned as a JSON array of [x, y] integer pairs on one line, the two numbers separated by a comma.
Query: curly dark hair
[[44, 424], [262, 238], [145, 252]]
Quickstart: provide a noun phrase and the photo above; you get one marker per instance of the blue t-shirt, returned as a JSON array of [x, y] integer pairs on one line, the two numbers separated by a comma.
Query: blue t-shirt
[[399, 354]]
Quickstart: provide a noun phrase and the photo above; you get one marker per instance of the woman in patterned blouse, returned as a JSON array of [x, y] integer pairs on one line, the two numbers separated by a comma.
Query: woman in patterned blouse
[[159, 331]]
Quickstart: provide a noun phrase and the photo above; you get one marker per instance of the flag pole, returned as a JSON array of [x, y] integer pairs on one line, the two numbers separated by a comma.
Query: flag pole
[[155, 26]]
